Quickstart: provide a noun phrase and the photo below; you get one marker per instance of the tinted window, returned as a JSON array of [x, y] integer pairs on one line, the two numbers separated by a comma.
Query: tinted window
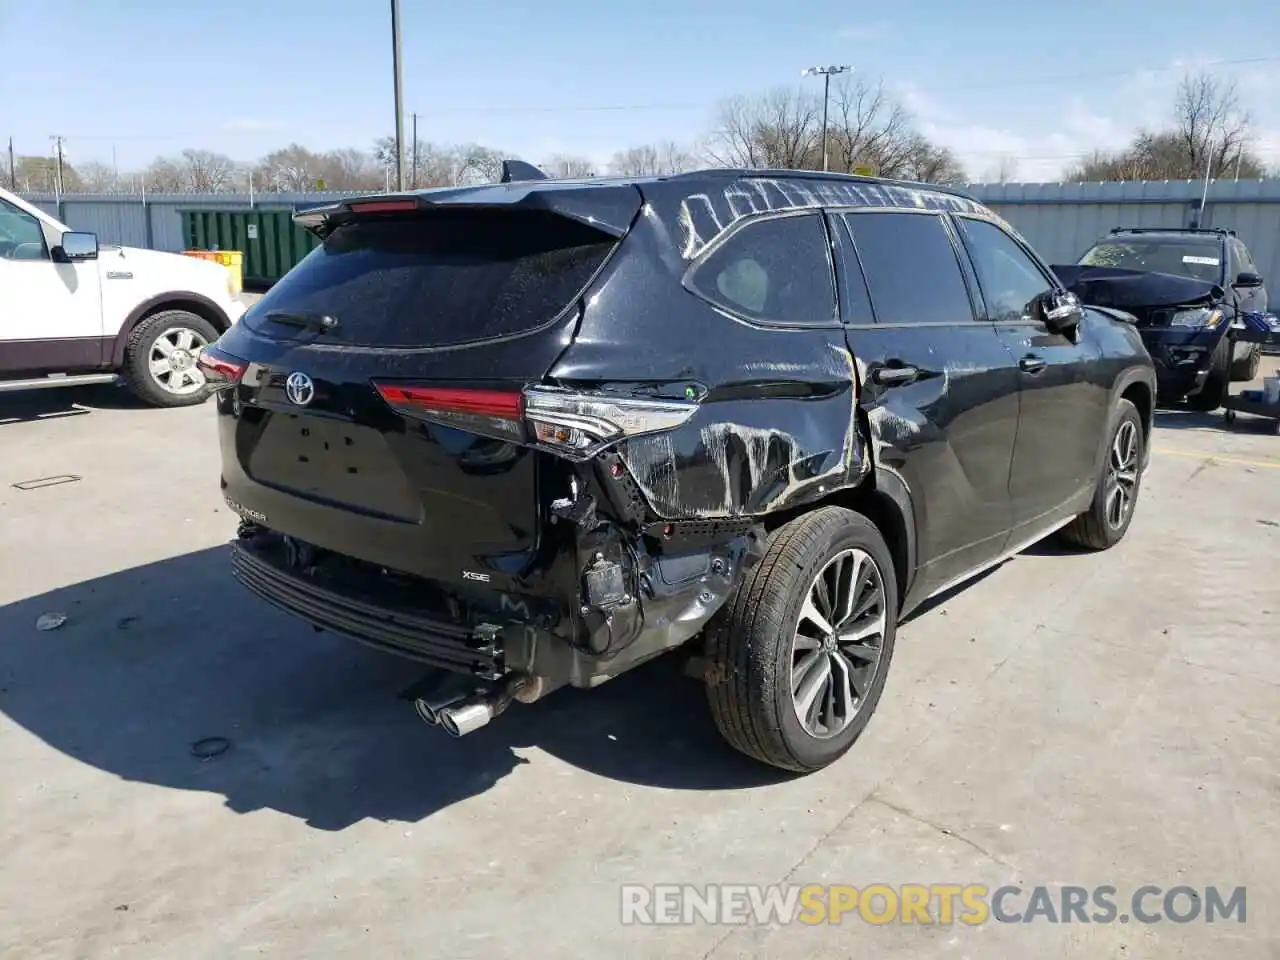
[[20, 235], [1009, 278], [911, 268], [1193, 257], [1245, 264], [445, 277], [776, 270]]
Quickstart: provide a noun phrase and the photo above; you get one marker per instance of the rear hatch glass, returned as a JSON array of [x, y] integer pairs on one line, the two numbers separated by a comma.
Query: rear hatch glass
[[438, 278]]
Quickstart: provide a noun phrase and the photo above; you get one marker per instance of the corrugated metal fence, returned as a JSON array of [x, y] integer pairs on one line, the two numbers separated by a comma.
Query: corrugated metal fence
[[1060, 219]]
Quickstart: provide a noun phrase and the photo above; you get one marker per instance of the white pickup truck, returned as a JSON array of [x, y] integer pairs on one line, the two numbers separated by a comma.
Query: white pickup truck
[[73, 312]]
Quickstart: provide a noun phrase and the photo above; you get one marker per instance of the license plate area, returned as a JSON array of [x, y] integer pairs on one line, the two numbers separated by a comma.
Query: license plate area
[[332, 461]]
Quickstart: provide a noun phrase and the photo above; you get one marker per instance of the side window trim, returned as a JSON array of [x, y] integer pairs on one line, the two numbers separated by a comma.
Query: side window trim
[[744, 223], [977, 309], [1050, 278], [852, 293]]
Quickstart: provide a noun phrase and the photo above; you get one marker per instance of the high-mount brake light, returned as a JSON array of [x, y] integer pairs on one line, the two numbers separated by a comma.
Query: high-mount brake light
[[383, 206], [573, 424], [220, 369]]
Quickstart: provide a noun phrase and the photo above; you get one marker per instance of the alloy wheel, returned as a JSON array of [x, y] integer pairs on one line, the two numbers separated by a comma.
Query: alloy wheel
[[1122, 474], [838, 642], [173, 361]]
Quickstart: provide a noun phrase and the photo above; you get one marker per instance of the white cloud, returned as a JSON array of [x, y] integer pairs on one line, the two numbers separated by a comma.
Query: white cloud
[[1077, 125]]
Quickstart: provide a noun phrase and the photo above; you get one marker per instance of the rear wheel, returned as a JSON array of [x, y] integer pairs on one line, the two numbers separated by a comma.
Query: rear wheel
[[160, 358], [1107, 520], [1247, 368], [1210, 396], [797, 661]]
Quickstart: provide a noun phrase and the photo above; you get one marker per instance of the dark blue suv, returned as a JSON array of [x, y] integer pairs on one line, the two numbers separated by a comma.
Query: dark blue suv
[[1186, 288]]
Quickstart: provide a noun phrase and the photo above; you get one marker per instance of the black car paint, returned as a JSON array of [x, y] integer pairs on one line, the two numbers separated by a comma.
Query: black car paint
[[632, 553]]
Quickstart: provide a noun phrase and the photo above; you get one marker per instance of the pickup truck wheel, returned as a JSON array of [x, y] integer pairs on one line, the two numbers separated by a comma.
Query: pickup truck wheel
[[1107, 520], [1210, 396], [160, 358], [797, 660]]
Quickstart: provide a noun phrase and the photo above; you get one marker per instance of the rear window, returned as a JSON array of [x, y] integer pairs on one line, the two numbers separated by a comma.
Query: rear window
[[1197, 259], [444, 277]]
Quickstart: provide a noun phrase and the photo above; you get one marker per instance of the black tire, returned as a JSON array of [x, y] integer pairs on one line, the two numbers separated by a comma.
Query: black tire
[[1245, 370], [137, 352], [750, 644], [1210, 396], [1096, 529]]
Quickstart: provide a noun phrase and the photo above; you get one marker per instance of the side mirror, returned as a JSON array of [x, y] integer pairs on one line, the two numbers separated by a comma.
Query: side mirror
[[1060, 310], [76, 247], [1248, 279]]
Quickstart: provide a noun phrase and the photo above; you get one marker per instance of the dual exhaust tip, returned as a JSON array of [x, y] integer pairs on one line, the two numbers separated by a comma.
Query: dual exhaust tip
[[457, 717], [458, 713]]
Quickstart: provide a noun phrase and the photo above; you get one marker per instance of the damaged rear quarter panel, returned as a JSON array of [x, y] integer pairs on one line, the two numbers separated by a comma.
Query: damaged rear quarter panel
[[776, 423]]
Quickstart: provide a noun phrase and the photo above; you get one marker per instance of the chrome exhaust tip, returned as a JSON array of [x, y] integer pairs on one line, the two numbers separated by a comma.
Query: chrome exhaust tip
[[465, 717], [429, 709]]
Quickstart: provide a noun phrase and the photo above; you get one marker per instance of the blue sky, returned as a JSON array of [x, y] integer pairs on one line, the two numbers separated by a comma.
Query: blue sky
[[991, 78]]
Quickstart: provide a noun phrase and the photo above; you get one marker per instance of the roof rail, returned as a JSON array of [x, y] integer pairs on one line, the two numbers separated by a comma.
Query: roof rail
[[1220, 231]]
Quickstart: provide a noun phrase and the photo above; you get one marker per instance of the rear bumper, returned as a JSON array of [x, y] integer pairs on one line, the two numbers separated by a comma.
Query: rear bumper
[[393, 627]]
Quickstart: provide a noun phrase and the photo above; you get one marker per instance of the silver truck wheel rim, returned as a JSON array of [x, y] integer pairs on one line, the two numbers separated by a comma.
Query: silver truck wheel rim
[[838, 642], [173, 361], [1122, 474]]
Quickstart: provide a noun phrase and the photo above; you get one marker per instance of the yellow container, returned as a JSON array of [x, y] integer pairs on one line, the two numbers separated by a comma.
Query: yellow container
[[232, 260]]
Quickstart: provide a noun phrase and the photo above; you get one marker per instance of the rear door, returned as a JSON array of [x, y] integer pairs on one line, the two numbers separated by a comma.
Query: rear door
[[1064, 406], [939, 387], [379, 414]]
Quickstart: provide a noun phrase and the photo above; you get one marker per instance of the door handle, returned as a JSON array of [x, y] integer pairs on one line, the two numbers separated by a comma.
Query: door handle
[[894, 376], [1032, 365]]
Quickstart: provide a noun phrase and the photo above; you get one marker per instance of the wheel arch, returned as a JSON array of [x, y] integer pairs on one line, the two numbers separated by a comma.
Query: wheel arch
[[1138, 386], [195, 303]]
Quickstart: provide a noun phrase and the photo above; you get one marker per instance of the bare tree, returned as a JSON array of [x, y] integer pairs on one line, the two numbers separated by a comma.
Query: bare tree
[[163, 175], [1208, 126], [868, 129], [204, 171], [1004, 170], [476, 164], [294, 168], [779, 129], [566, 166], [652, 160], [350, 170], [931, 163], [96, 177]]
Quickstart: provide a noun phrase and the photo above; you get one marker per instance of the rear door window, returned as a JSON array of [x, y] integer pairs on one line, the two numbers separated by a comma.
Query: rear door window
[[911, 268], [444, 277], [776, 270]]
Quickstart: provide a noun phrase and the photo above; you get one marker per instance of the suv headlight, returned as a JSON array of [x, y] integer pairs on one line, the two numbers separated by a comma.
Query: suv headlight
[[1199, 317]]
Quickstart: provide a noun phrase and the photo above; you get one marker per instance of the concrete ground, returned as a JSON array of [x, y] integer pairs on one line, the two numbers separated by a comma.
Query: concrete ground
[[1068, 719]]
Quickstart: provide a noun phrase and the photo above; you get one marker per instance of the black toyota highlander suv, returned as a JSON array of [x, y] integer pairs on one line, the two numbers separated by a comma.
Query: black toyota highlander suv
[[535, 433]]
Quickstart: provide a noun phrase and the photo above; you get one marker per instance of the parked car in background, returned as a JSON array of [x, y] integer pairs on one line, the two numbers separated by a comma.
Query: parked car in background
[[1185, 288], [537, 433], [74, 312]]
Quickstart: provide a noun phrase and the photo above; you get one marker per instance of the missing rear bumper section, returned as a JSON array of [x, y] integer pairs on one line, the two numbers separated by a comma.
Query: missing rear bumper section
[[631, 607]]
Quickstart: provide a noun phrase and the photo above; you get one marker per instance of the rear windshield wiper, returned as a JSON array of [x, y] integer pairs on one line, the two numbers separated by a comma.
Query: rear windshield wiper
[[321, 322]]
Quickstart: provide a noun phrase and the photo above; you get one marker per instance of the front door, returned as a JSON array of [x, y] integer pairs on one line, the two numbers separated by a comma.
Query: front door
[[938, 387], [1064, 411], [50, 313]]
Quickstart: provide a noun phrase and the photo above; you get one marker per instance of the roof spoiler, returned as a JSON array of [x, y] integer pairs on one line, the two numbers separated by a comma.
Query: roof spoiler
[[513, 170], [1220, 231]]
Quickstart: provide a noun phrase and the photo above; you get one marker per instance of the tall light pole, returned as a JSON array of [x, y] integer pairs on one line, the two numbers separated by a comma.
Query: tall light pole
[[395, 62], [826, 74]]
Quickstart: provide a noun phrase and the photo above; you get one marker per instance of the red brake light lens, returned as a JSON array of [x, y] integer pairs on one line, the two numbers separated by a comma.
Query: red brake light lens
[[384, 206], [505, 404], [220, 369]]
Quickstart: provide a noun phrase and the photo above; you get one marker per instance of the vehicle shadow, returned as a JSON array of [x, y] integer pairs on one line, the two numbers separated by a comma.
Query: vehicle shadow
[[153, 659], [28, 406], [1173, 418]]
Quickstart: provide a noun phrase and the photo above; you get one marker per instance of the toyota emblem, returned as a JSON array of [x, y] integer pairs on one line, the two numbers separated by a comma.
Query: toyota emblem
[[300, 389]]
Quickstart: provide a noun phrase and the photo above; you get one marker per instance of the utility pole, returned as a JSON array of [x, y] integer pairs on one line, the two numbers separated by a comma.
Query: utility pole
[[415, 151], [826, 74], [395, 63], [57, 147], [1208, 170], [13, 170]]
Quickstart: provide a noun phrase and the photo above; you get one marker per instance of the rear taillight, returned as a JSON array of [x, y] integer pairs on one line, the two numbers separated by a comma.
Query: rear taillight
[[574, 424], [221, 370]]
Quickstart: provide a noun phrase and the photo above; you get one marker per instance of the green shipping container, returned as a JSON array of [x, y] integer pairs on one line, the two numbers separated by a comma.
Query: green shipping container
[[271, 242]]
